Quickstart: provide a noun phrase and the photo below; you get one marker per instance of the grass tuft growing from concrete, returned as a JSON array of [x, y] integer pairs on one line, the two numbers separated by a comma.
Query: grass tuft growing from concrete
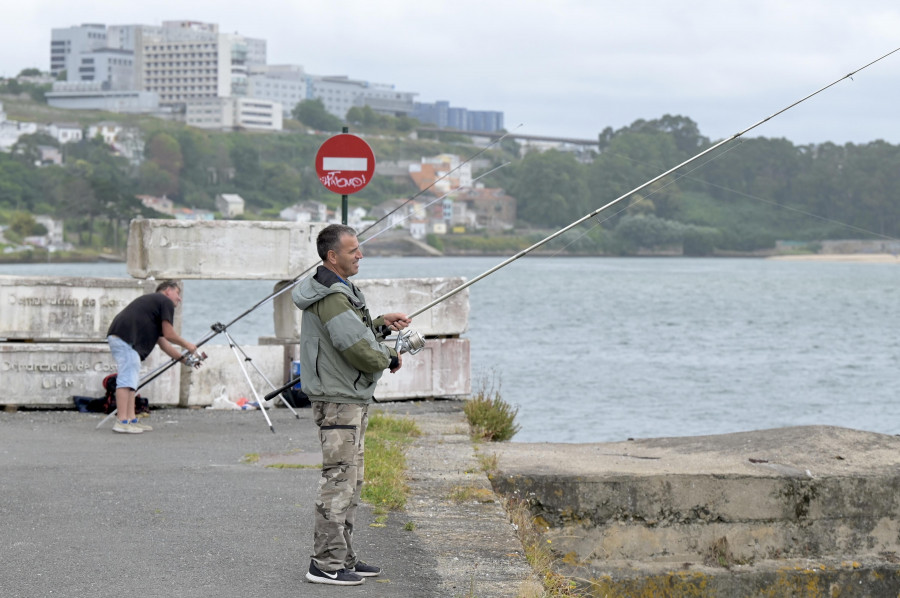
[[387, 439], [490, 417]]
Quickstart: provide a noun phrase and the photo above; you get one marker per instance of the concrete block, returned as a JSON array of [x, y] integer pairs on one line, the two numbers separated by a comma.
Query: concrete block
[[49, 374], [221, 373], [441, 369], [449, 318], [49, 308], [221, 249]]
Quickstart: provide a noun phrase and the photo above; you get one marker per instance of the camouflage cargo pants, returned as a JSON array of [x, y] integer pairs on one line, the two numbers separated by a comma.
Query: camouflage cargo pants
[[342, 429]]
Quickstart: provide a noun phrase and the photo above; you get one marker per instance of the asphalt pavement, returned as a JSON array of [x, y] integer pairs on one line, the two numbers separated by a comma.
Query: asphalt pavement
[[195, 509]]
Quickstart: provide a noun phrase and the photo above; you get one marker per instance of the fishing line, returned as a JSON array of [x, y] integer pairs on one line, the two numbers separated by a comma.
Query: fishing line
[[642, 186]]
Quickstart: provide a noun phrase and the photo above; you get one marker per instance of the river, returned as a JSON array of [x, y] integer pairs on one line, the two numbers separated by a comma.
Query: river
[[604, 349]]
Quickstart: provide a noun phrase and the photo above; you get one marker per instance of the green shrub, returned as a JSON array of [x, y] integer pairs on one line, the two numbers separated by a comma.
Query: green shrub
[[490, 417]]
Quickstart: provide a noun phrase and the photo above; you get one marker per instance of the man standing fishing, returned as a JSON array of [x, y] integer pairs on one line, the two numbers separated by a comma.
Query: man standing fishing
[[341, 360]]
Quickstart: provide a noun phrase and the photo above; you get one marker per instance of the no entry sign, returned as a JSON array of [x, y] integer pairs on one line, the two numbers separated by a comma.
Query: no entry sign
[[345, 164]]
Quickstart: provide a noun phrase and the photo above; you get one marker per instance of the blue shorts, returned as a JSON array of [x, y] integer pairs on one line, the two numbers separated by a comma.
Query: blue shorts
[[128, 363]]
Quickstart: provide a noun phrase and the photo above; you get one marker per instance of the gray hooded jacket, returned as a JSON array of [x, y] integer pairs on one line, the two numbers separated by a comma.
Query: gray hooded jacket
[[341, 356]]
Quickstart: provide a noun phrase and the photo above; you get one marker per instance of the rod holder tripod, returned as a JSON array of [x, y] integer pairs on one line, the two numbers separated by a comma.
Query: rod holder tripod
[[242, 357]]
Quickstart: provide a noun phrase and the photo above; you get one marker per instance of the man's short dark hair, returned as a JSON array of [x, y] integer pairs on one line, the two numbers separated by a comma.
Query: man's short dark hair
[[330, 238], [167, 284]]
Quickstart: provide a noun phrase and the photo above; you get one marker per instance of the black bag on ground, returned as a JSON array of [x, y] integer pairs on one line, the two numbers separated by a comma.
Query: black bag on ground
[[296, 398], [107, 402]]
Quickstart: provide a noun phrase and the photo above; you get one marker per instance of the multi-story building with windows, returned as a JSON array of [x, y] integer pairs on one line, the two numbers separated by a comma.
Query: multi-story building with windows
[[111, 66], [443, 115], [234, 113], [165, 68], [285, 84], [340, 93], [68, 41]]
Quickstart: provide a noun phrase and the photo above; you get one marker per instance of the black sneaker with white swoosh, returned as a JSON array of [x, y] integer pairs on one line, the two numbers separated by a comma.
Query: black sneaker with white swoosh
[[341, 577]]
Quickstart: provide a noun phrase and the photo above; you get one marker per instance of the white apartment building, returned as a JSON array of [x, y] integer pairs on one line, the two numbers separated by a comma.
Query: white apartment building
[[183, 61]]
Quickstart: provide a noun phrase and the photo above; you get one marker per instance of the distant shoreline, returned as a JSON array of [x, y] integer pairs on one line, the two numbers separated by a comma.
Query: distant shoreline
[[870, 258]]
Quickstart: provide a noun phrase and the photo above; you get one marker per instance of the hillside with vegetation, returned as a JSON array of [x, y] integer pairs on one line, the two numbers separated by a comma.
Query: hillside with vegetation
[[742, 198]]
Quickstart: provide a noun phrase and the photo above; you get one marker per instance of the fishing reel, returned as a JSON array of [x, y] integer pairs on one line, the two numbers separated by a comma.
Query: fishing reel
[[192, 360], [409, 342]]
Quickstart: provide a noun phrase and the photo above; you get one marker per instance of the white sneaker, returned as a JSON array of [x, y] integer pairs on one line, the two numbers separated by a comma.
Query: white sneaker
[[126, 428]]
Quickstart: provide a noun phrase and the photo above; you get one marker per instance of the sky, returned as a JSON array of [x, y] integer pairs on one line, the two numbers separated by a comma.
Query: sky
[[567, 68]]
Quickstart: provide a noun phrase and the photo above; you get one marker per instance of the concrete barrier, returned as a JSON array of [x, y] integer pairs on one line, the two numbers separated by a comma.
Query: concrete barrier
[[718, 512], [54, 310], [44, 308], [50, 374], [449, 318], [441, 369], [221, 249]]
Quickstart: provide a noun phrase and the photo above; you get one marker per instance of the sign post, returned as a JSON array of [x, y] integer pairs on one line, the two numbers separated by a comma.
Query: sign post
[[345, 164]]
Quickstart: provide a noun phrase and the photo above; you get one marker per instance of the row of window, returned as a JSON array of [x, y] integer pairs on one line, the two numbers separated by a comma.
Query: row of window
[[180, 96], [181, 48], [207, 56], [193, 81], [206, 67], [207, 89], [193, 74]]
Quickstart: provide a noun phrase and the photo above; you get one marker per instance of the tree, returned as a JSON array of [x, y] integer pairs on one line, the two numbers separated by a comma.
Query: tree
[[165, 151], [550, 188], [648, 232], [629, 160], [312, 113], [23, 224]]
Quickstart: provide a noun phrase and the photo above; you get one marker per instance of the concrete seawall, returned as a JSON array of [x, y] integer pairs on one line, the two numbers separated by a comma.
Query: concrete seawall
[[53, 329], [805, 511]]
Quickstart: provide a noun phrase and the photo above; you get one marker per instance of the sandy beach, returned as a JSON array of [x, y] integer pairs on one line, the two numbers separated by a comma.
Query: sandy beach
[[880, 258]]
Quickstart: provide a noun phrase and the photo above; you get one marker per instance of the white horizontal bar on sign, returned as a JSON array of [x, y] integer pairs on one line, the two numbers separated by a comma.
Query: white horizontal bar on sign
[[361, 164]]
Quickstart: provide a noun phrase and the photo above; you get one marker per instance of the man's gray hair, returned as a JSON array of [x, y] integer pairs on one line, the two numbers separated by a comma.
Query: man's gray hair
[[330, 238]]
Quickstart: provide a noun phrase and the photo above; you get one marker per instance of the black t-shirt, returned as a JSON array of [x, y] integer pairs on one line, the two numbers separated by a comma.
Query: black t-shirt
[[140, 323]]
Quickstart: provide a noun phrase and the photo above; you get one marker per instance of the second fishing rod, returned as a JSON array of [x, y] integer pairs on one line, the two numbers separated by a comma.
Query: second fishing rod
[[643, 186]]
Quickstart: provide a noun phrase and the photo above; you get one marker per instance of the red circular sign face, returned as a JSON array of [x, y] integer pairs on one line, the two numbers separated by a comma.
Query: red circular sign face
[[345, 164]]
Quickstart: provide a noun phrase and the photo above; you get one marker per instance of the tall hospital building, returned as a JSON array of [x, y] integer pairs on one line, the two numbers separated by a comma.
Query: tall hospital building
[[189, 70], [182, 68]]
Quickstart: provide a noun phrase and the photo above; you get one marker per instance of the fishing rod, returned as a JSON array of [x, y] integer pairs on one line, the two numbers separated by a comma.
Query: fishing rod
[[643, 186], [218, 327]]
